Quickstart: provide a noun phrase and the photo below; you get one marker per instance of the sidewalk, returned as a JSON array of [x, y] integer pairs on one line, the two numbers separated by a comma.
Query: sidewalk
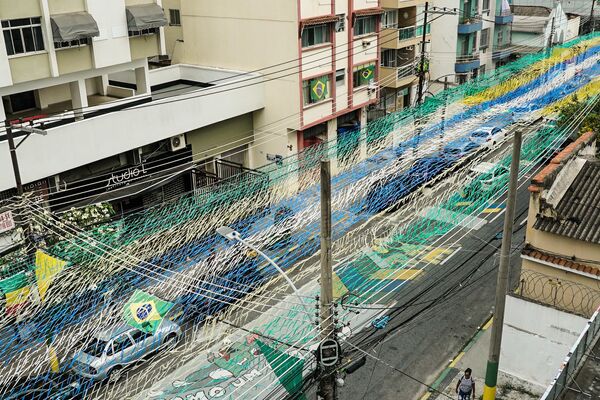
[[474, 355]]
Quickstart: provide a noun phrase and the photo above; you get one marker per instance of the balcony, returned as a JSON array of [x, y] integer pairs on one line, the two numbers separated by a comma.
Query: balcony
[[467, 62], [469, 24], [180, 101], [395, 77], [406, 36], [503, 17], [502, 51]]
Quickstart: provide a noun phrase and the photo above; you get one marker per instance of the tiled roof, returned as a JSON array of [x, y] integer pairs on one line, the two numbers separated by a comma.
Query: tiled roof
[[325, 19], [369, 11], [546, 176], [578, 212], [563, 262]]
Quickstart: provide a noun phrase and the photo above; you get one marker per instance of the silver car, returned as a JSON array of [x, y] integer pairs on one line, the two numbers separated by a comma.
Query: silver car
[[109, 351]]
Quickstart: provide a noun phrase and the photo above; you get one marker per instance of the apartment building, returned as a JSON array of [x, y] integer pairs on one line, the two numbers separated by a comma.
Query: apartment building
[[468, 39], [320, 61], [116, 130], [401, 37]]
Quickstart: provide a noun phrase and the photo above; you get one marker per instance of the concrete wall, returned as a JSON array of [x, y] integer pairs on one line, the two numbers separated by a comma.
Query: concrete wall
[[10, 9], [536, 339], [65, 6], [74, 59], [112, 46], [236, 34], [443, 40], [144, 46], [29, 67], [172, 33], [218, 138]]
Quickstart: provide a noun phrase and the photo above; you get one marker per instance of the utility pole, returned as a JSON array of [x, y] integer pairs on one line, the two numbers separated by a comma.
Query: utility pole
[[592, 21], [327, 385], [551, 37], [491, 373], [13, 157], [422, 63]]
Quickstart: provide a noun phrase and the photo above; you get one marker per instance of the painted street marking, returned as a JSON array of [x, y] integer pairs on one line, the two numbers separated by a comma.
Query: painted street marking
[[375, 257], [396, 274], [452, 218], [450, 256]]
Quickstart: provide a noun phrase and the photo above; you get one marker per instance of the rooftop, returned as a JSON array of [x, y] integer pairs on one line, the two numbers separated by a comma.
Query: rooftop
[[570, 192]]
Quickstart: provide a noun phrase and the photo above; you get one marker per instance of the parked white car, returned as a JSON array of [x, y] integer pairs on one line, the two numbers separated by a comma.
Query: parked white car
[[487, 136]]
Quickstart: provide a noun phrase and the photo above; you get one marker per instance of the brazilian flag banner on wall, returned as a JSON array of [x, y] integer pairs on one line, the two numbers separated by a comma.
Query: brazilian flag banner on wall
[[16, 292], [145, 311], [287, 368], [368, 73], [318, 88]]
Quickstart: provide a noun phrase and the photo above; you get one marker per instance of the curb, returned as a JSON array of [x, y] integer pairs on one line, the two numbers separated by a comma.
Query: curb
[[452, 364]]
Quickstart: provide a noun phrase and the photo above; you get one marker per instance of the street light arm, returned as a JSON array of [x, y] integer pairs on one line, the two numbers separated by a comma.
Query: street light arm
[[281, 272]]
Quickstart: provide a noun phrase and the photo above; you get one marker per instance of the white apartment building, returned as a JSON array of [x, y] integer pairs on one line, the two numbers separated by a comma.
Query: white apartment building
[[469, 41], [319, 59], [115, 130]]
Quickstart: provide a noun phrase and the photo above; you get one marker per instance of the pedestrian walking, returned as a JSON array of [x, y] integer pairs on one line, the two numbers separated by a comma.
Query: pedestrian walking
[[465, 387]]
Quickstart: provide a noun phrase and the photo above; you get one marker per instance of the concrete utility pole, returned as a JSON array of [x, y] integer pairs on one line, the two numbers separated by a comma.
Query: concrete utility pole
[[327, 386], [592, 21], [13, 157], [551, 37], [422, 64], [491, 373]]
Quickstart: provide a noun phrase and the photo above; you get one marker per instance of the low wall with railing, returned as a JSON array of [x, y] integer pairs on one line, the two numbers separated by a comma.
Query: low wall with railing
[[574, 359]]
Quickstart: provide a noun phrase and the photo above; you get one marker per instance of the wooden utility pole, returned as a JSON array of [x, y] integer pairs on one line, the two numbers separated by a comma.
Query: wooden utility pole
[[327, 386], [491, 373]]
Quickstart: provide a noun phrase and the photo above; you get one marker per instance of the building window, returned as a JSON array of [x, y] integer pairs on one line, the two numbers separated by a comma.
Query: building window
[[388, 58], [315, 34], [460, 79], [316, 89], [73, 43], [482, 70], [174, 17], [486, 5], [144, 32], [23, 35], [365, 25], [390, 19], [340, 77], [363, 75], [340, 24], [499, 38], [485, 38]]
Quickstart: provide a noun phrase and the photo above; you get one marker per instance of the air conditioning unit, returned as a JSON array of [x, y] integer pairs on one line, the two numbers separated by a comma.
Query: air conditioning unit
[[178, 143]]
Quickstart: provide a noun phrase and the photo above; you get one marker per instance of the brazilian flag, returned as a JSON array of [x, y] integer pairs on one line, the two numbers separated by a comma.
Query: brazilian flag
[[145, 311], [318, 88], [286, 367], [367, 74]]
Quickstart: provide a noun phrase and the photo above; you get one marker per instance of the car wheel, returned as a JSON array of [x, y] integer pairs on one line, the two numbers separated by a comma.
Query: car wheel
[[115, 374], [171, 341]]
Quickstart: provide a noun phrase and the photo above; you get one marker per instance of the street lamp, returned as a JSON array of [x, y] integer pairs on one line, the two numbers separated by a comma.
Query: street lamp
[[230, 234]]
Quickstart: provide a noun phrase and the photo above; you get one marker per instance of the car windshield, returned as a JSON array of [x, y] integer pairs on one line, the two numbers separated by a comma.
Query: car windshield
[[479, 134], [95, 347]]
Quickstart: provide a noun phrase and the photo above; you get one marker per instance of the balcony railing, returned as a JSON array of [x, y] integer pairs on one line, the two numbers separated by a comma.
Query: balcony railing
[[467, 57], [410, 32], [406, 70]]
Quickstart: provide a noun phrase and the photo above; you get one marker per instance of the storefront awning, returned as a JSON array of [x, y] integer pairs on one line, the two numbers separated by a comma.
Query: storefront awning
[[138, 187], [73, 26], [145, 16]]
